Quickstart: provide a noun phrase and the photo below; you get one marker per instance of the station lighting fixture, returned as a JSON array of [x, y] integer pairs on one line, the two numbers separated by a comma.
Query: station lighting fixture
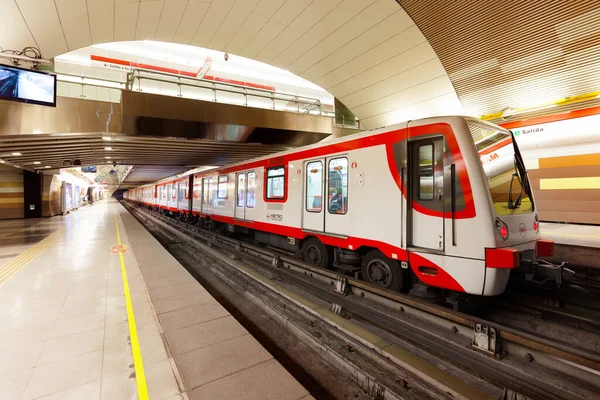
[[107, 138], [107, 157], [16, 154], [37, 162], [47, 166], [108, 148]]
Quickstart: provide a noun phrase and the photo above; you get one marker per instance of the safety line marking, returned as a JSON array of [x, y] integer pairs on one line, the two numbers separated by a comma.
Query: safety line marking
[[140, 375], [571, 234], [20, 262]]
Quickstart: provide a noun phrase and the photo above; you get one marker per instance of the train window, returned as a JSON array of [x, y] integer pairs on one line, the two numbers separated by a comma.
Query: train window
[[338, 186], [425, 172], [314, 186], [222, 187], [240, 189], [205, 183], [276, 183], [251, 190]]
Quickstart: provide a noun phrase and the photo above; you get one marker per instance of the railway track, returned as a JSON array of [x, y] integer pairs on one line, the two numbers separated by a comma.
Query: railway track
[[435, 351]]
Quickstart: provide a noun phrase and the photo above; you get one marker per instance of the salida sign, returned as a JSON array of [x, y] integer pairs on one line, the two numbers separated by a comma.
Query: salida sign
[[525, 131], [517, 132]]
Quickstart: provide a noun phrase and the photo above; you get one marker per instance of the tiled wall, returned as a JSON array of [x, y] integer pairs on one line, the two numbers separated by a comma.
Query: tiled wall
[[11, 192], [567, 189]]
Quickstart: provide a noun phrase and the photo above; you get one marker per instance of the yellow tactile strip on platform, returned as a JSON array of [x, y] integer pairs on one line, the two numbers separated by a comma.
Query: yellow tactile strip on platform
[[21, 261]]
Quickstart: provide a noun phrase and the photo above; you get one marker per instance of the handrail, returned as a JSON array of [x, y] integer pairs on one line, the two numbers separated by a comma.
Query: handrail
[[226, 87], [303, 104]]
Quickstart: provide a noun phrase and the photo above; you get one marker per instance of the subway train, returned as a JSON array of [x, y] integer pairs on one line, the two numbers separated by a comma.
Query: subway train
[[413, 206]]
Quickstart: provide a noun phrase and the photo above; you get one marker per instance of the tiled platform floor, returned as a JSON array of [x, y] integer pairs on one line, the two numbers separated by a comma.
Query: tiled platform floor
[[18, 235], [64, 332], [571, 234]]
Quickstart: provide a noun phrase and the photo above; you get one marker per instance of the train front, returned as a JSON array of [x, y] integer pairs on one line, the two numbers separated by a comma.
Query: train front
[[516, 222]]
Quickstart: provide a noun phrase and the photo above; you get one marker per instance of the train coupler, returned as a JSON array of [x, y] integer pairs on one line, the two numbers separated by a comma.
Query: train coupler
[[540, 271]]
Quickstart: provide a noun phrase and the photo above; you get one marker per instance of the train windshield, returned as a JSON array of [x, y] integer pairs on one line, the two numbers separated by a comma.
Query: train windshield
[[504, 168]]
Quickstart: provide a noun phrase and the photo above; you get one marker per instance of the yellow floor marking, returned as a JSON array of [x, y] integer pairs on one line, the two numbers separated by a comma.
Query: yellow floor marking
[[140, 375], [571, 234], [21, 261]]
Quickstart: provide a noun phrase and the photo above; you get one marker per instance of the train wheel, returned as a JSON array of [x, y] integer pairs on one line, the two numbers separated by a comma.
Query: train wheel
[[383, 271], [316, 253]]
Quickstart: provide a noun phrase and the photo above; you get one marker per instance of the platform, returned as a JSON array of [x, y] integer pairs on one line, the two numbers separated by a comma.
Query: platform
[[70, 329], [578, 244]]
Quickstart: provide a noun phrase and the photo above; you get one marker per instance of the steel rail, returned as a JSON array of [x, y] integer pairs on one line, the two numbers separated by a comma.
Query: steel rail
[[375, 374], [360, 288]]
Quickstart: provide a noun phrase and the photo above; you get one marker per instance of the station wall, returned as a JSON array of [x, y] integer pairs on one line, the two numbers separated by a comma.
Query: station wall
[[11, 192], [562, 155]]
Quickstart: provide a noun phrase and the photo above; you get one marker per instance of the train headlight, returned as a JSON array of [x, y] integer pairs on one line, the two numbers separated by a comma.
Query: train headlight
[[502, 229]]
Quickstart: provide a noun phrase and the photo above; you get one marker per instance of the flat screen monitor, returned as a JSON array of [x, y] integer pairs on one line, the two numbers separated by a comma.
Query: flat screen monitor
[[27, 86], [90, 169]]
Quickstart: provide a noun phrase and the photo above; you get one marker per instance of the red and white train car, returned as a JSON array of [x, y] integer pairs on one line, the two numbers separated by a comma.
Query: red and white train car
[[419, 200]]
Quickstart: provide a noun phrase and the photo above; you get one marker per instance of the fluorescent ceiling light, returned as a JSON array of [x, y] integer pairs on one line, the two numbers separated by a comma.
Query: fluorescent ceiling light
[[108, 158], [108, 148], [37, 162], [16, 154], [47, 166], [107, 138]]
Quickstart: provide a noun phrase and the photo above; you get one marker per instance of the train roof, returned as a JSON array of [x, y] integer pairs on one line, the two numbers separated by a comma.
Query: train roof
[[371, 132]]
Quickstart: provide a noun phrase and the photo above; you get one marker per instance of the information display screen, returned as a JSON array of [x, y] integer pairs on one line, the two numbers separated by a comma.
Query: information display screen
[[91, 169], [27, 86]]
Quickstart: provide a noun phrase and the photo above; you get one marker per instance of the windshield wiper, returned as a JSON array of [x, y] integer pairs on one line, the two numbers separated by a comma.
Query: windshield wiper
[[512, 205]]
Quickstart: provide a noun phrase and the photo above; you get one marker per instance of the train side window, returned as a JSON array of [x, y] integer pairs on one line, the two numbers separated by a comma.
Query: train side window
[[425, 172], [211, 191], [276, 183], [337, 193], [314, 185], [205, 190], [251, 191], [240, 190], [222, 187]]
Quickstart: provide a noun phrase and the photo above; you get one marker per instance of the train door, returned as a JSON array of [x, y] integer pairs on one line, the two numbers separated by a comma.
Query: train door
[[204, 206], [240, 196], [335, 203], [313, 217], [426, 163], [250, 195], [182, 195]]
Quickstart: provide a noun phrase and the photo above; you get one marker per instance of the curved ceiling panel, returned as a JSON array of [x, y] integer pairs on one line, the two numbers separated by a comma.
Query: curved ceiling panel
[[516, 54], [367, 53]]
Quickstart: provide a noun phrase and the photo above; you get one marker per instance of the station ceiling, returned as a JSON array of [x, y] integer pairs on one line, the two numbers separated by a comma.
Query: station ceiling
[[386, 60], [50, 151]]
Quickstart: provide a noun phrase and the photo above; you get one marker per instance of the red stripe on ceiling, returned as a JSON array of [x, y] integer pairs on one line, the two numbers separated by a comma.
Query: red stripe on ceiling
[[180, 72]]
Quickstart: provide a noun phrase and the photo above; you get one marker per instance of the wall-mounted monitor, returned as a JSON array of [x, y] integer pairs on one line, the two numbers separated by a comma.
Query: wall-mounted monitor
[[90, 169], [27, 86]]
